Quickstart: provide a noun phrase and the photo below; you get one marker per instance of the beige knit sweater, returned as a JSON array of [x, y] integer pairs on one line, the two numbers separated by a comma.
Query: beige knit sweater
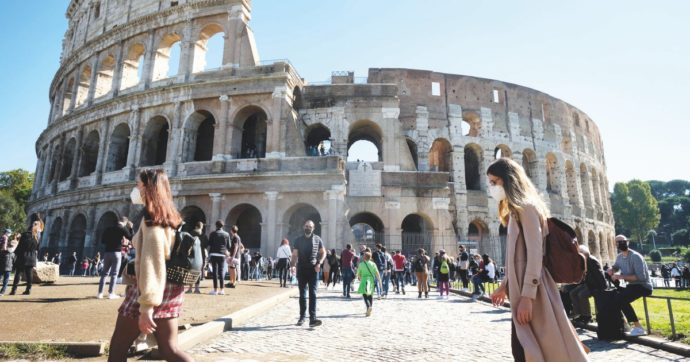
[[153, 244]]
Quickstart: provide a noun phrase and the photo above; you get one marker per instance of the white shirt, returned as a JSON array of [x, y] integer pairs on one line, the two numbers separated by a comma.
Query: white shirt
[[491, 270], [283, 252]]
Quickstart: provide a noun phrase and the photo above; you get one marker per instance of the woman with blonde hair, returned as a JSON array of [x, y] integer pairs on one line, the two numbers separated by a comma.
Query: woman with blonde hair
[[152, 304], [540, 327], [27, 256], [369, 278], [283, 255]]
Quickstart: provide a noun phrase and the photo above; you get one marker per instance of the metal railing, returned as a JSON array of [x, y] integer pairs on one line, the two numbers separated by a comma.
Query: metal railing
[[669, 306]]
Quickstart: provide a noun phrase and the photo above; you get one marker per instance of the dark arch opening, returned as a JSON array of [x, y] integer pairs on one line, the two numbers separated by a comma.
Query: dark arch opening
[[367, 228], [248, 221], [472, 165], [416, 233], [297, 216], [198, 137], [89, 154], [67, 158], [119, 148], [191, 215], [412, 146], [318, 140], [439, 155], [155, 143], [77, 235], [54, 236], [254, 136]]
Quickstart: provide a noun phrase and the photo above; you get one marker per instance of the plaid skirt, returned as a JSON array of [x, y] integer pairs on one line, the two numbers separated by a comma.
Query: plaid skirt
[[170, 307]]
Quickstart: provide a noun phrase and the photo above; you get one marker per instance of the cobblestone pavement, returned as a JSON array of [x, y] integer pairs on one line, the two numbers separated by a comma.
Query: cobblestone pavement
[[401, 328]]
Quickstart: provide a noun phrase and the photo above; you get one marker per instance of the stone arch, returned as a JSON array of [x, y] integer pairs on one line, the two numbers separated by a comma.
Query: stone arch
[[104, 76], [251, 141], [191, 215], [530, 163], [77, 235], [155, 141], [412, 146], [471, 123], [119, 148], [578, 234], [197, 144], [440, 155], [603, 249], [585, 186], [54, 164], [595, 187], [473, 163], [317, 140], [67, 158], [202, 44], [552, 185], [161, 62], [417, 232], [54, 235], [132, 66], [83, 85], [106, 221], [297, 215], [367, 228], [248, 220], [592, 244], [478, 231], [68, 96], [89, 154], [571, 180], [502, 151], [366, 130]]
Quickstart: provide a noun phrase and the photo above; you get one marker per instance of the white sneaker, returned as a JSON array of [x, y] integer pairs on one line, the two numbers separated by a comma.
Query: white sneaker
[[637, 331], [222, 292], [213, 292], [100, 296], [113, 296]]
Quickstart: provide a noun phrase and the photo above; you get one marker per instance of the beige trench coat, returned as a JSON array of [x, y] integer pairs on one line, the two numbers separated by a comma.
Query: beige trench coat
[[549, 336]]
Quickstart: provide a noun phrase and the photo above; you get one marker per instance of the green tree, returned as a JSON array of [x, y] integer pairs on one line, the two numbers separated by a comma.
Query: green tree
[[12, 215], [15, 190], [635, 208], [680, 237]]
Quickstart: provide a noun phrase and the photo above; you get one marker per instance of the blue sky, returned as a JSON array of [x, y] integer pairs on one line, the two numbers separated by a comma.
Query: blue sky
[[625, 63]]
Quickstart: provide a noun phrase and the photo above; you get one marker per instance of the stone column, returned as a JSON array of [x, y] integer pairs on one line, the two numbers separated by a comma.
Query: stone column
[[273, 125], [149, 58], [216, 199], [237, 22], [390, 142], [74, 181], [422, 127], [117, 72], [58, 166], [175, 138], [133, 153], [272, 240], [186, 52], [101, 160], [62, 241], [333, 196], [75, 87], [219, 140], [38, 175], [92, 81], [45, 175]]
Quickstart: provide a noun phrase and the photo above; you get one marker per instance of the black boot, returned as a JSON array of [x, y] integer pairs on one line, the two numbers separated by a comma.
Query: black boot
[[420, 295], [13, 291], [426, 294]]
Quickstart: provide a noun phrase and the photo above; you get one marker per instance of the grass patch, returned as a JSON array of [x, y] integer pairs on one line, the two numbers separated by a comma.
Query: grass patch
[[32, 351]]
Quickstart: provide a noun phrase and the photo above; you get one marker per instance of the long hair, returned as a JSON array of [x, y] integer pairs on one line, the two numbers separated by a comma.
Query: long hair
[[160, 209], [36, 227], [519, 189]]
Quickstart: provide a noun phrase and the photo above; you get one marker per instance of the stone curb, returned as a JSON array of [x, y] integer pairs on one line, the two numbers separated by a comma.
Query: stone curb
[[208, 330], [77, 349], [649, 341]]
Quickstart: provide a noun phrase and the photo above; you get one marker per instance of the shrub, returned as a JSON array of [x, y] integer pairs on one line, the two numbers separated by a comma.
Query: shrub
[[655, 255]]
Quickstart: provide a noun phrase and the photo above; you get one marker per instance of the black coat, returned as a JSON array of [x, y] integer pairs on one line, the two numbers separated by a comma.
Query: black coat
[[6, 261], [27, 250], [594, 278]]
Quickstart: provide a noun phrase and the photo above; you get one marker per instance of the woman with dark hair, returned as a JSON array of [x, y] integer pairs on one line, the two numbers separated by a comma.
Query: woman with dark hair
[[540, 327], [332, 260], [152, 304], [421, 269], [27, 256], [283, 255]]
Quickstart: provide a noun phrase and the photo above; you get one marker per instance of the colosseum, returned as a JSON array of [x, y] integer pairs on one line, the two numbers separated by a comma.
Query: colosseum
[[253, 143]]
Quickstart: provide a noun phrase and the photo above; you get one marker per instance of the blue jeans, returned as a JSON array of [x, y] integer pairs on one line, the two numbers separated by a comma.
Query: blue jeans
[[5, 280], [400, 280], [307, 277], [111, 265], [348, 275], [385, 280], [478, 281]]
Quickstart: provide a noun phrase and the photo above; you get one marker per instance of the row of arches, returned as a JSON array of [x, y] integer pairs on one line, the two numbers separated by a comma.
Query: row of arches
[[97, 78]]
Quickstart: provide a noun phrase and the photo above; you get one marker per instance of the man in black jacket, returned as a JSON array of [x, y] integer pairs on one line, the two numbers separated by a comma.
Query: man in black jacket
[[114, 238], [593, 284]]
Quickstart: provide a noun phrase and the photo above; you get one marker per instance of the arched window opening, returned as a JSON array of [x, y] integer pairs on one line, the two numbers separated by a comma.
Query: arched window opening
[[592, 244], [529, 163], [193, 214], [68, 96], [104, 77], [502, 151], [155, 142], [198, 137], [318, 140], [471, 124], [119, 148], [585, 185], [208, 49], [367, 228], [67, 158], [440, 155], [54, 235], [133, 66], [297, 215], [163, 62], [89, 154], [551, 174], [571, 180], [77, 236], [83, 86], [472, 167], [107, 221], [364, 142], [416, 233], [412, 146], [54, 164], [248, 221], [254, 136], [595, 187]]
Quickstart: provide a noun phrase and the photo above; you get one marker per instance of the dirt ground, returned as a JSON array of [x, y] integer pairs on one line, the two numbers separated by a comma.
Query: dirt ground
[[68, 311]]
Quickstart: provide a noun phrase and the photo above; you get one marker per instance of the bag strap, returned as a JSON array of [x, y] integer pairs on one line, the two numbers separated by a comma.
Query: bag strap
[[367, 266]]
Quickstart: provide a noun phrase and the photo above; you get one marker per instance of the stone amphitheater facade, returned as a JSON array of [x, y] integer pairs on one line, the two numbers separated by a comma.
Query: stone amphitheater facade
[[238, 141]]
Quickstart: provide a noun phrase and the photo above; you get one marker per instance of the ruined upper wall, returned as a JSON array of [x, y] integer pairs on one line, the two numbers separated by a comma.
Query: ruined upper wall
[[415, 88]]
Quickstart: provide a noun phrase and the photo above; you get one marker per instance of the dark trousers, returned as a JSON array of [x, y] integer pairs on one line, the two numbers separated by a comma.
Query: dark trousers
[[282, 266], [27, 270], [463, 277], [307, 277], [368, 300], [348, 275], [515, 346], [629, 294], [245, 271], [400, 280], [217, 265]]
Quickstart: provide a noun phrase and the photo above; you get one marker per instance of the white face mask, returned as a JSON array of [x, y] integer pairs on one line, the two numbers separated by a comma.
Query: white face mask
[[135, 195], [497, 192]]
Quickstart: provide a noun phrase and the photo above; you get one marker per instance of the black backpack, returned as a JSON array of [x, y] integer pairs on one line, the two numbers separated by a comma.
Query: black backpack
[[419, 264], [186, 259]]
